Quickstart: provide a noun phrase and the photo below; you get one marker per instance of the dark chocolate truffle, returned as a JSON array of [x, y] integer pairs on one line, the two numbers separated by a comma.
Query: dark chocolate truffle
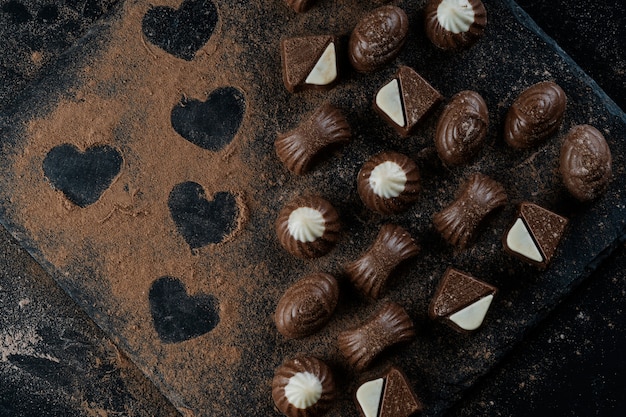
[[387, 395], [307, 305], [406, 100], [377, 38], [455, 24], [303, 387], [389, 182], [298, 148], [372, 270], [535, 234], [535, 115], [308, 227], [388, 326], [585, 162], [309, 62], [462, 128], [478, 197], [461, 301]]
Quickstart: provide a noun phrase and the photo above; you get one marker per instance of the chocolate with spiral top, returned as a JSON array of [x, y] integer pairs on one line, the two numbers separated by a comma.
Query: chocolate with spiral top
[[455, 24], [371, 271]]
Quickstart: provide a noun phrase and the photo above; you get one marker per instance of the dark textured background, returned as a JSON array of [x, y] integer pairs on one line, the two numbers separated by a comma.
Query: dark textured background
[[572, 364]]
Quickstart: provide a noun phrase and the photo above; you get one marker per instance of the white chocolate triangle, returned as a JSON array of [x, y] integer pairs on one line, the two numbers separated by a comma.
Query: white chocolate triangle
[[306, 224], [471, 317], [455, 16], [369, 396], [303, 390], [325, 70], [388, 99], [519, 240], [387, 179]]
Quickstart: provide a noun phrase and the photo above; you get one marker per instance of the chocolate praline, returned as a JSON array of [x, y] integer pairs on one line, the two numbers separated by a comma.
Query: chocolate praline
[[308, 227], [585, 162], [455, 24], [387, 394], [462, 128], [389, 182], [307, 305], [377, 38], [303, 387]]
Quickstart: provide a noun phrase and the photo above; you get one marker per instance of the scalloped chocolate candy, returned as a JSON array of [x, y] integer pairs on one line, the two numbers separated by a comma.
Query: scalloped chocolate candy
[[308, 227], [389, 182], [372, 270], [388, 395], [461, 301], [377, 38], [300, 6], [585, 163], [309, 62], [535, 115], [478, 197], [455, 24], [462, 128], [298, 148], [388, 326], [307, 305], [303, 387]]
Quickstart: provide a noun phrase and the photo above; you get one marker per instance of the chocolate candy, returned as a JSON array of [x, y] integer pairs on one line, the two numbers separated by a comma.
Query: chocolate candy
[[307, 305], [535, 115], [300, 6], [298, 148], [309, 62], [462, 128], [406, 100], [455, 24], [585, 162], [478, 197], [461, 301], [389, 395], [388, 326], [389, 182], [535, 234], [308, 227], [377, 38], [371, 271], [303, 387]]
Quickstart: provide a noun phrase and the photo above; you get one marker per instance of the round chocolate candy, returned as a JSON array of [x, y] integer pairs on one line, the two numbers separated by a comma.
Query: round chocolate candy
[[585, 163], [389, 182], [303, 387], [535, 115], [462, 128], [307, 305], [377, 38], [455, 24], [308, 227]]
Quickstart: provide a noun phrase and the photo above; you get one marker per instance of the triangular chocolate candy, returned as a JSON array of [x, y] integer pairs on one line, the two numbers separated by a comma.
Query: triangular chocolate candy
[[309, 62], [399, 400], [546, 227], [418, 95]]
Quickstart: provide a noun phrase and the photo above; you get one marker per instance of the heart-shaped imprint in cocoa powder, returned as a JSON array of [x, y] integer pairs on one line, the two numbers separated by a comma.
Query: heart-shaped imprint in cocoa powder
[[82, 176], [199, 220], [181, 32], [211, 124], [178, 316]]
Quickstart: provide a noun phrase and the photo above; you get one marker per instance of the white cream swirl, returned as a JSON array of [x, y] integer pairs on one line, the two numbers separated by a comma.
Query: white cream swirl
[[388, 179], [303, 390], [455, 16], [306, 224]]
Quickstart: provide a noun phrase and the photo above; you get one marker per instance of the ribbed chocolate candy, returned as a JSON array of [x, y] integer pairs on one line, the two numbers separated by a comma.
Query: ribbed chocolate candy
[[325, 127], [478, 196], [462, 128], [585, 162], [455, 24], [389, 182], [303, 387], [307, 305], [371, 271], [535, 115], [308, 227], [388, 326], [377, 38]]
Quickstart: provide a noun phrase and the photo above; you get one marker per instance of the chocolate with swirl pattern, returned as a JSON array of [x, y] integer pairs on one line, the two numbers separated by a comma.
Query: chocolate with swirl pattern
[[455, 24]]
